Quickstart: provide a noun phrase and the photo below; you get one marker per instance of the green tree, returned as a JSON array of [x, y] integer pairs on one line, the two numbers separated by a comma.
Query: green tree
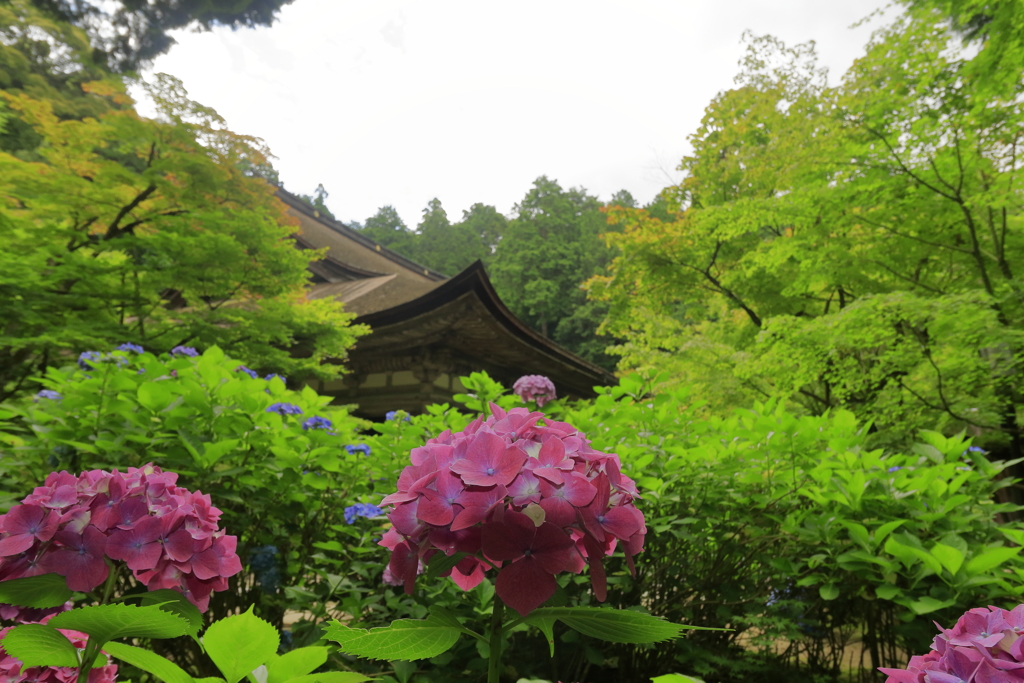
[[849, 246], [547, 251], [445, 247], [318, 200], [155, 232], [129, 34], [387, 229], [486, 226]]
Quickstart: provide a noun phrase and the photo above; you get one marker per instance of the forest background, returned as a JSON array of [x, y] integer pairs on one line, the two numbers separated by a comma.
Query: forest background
[[842, 257]]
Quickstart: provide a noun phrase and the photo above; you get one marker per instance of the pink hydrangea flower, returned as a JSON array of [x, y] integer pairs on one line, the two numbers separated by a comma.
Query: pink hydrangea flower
[[534, 388], [985, 646], [525, 499], [167, 536], [11, 671]]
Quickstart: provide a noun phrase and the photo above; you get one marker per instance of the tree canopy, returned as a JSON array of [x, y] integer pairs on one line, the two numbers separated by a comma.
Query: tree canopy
[[118, 228], [852, 246]]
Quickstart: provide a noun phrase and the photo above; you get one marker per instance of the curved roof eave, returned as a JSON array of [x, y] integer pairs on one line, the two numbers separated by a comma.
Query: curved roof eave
[[474, 279]]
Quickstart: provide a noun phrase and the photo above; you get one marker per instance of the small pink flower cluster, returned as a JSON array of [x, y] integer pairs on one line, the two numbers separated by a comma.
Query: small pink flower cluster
[[535, 388], [985, 646], [527, 499], [11, 671], [167, 535]]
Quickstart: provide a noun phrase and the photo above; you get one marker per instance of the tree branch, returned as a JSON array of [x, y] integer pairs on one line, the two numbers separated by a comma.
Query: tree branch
[[112, 229]]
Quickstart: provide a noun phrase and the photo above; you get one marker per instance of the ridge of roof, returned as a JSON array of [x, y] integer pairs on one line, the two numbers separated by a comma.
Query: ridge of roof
[[339, 227], [355, 270], [474, 277]]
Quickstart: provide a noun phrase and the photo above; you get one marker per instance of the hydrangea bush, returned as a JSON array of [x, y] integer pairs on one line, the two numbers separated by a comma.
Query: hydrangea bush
[[537, 388], [512, 489], [985, 646], [167, 536]]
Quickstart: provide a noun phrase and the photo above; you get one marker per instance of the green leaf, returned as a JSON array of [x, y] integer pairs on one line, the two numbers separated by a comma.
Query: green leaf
[[440, 563], [546, 625], [950, 557], [676, 678], [928, 604], [405, 639], [615, 625], [155, 396], [330, 677], [107, 622], [859, 534], [887, 591], [886, 529], [829, 591], [150, 662], [175, 603], [40, 645], [990, 559], [45, 590], [239, 644], [298, 662]]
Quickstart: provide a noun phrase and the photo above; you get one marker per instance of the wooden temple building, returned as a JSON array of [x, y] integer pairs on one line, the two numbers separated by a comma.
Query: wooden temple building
[[427, 329]]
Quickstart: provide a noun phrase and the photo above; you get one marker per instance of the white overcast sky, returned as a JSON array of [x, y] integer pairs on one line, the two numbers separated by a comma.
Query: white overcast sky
[[400, 101]]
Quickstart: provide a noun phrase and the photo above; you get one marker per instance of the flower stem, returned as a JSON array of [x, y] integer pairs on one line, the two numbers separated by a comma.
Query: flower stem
[[494, 661]]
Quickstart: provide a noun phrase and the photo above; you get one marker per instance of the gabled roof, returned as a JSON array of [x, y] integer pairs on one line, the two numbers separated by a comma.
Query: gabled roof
[[466, 320]]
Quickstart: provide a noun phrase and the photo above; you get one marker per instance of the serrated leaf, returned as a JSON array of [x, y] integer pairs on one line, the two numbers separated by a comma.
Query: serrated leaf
[[990, 559], [175, 603], [45, 590], [154, 396], [239, 644], [295, 663], [40, 645], [405, 639], [829, 591], [951, 558], [330, 677], [150, 662], [441, 563], [107, 622], [615, 625]]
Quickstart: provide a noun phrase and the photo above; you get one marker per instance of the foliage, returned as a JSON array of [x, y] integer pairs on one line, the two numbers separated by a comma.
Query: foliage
[[794, 533], [387, 229], [278, 478], [153, 231], [850, 246], [128, 35]]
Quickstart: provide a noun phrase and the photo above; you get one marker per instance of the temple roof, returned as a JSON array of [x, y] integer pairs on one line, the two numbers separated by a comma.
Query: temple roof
[[427, 330]]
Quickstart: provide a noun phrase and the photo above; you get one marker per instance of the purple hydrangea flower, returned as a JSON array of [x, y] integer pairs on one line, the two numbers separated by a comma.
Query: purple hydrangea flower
[[251, 373], [535, 388], [895, 468], [361, 510], [87, 357], [179, 350], [285, 409], [133, 348], [317, 422], [48, 394], [358, 448], [273, 375], [393, 415]]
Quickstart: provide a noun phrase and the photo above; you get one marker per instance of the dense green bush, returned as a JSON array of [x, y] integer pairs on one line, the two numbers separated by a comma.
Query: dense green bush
[[785, 529], [791, 532]]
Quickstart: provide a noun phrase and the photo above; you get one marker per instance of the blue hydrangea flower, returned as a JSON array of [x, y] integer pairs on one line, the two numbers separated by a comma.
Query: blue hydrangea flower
[[263, 563], [976, 449], [317, 422], [285, 409], [251, 373], [393, 414], [87, 357], [273, 375], [895, 468], [358, 448], [48, 394], [128, 346], [361, 510], [184, 351]]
